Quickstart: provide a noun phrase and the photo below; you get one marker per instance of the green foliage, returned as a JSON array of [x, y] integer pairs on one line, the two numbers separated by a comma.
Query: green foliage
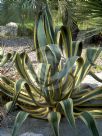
[[54, 119], [26, 29], [89, 121], [56, 88], [67, 106], [20, 118], [20, 11], [89, 11]]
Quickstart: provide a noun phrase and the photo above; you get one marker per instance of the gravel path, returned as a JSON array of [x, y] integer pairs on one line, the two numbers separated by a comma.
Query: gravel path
[[24, 43], [16, 44]]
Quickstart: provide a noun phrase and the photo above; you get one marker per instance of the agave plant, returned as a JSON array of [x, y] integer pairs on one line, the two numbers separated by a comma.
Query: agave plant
[[55, 89]]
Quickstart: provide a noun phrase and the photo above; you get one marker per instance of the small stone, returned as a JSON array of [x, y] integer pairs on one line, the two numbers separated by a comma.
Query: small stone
[[12, 24], [9, 30], [31, 134]]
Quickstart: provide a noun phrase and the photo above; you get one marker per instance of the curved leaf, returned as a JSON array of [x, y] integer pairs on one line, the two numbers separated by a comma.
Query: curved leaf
[[88, 96], [20, 118], [18, 88], [77, 48], [89, 59], [53, 55], [64, 40], [90, 123], [95, 77], [8, 106], [54, 119], [67, 106], [1, 53], [5, 59]]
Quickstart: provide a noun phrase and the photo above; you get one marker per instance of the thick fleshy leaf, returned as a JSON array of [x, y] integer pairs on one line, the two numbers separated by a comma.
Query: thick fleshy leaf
[[19, 85], [41, 32], [18, 63], [36, 44], [64, 40], [33, 97], [67, 106], [78, 67], [43, 73], [96, 113], [90, 123], [76, 48], [8, 106], [18, 88], [95, 76], [36, 112], [20, 118], [7, 81], [54, 119], [88, 96], [28, 68], [91, 108], [68, 67], [89, 59], [49, 27], [44, 33], [42, 39], [5, 59], [53, 55], [67, 86], [9, 91], [1, 53]]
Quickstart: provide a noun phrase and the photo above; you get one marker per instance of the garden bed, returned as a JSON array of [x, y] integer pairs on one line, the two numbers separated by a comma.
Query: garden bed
[[33, 125]]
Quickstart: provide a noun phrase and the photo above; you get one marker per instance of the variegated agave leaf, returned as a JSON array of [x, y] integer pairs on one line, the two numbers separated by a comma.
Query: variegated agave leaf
[[54, 119], [20, 118], [46, 83], [41, 94], [90, 123], [4, 58], [43, 32], [1, 53], [68, 47], [89, 59]]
